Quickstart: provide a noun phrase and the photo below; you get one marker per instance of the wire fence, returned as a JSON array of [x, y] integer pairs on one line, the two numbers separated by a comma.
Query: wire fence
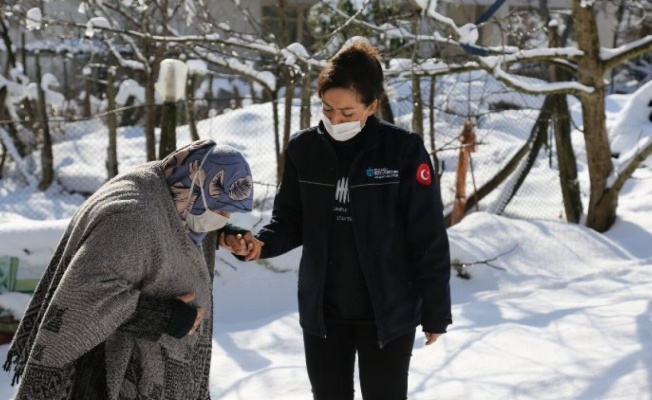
[[503, 121]]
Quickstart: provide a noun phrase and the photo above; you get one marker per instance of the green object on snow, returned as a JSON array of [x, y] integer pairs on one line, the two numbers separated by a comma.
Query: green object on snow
[[10, 280]]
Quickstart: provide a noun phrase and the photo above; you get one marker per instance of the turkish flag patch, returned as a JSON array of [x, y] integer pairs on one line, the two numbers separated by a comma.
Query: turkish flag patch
[[423, 174]]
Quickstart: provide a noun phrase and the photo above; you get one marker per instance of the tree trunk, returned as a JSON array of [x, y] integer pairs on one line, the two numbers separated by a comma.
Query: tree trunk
[[289, 96], [602, 203], [47, 168], [431, 120], [209, 96], [3, 158], [112, 150], [252, 91], [620, 12], [9, 47], [386, 110], [539, 133], [10, 127], [305, 100], [277, 143], [417, 104], [3, 97], [150, 117], [566, 161], [190, 107], [86, 101]]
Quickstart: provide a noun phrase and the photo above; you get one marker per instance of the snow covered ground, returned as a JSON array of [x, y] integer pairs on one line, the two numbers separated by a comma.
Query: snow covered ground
[[569, 315]]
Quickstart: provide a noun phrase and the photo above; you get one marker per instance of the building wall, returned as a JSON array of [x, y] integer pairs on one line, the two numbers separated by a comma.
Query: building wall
[[468, 11]]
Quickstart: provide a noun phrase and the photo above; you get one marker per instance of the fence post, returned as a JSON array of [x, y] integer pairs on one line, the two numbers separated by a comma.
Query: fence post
[[467, 140], [47, 168], [86, 101], [112, 149], [171, 85]]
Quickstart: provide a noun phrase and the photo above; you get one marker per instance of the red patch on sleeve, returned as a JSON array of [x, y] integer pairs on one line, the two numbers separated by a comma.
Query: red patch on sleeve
[[424, 176]]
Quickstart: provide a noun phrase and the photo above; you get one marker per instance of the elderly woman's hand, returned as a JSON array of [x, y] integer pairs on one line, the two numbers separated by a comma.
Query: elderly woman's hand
[[242, 245], [188, 298]]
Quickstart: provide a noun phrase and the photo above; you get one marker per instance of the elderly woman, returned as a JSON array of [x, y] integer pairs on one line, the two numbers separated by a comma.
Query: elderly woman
[[123, 310]]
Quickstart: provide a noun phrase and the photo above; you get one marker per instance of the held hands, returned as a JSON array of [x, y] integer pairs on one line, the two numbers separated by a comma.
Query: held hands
[[242, 245], [188, 298], [431, 337]]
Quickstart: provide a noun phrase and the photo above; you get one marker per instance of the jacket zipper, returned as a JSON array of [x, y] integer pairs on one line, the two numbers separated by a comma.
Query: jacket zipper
[[377, 313], [334, 169]]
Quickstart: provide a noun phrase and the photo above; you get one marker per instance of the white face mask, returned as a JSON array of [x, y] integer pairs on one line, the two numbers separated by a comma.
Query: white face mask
[[208, 220], [345, 130]]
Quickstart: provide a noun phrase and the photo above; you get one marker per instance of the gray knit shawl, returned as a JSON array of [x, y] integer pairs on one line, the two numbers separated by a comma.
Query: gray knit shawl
[[125, 241]]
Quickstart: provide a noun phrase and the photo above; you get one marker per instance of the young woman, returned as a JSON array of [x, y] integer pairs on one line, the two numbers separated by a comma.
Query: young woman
[[124, 307], [360, 196]]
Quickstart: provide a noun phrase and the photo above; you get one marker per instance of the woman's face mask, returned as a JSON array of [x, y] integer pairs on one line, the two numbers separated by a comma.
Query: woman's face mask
[[345, 130], [208, 220]]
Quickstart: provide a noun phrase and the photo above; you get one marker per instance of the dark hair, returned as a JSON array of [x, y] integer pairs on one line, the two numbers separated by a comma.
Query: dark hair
[[355, 66]]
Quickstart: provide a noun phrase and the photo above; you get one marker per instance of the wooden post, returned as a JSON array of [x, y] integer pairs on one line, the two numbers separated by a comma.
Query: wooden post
[[467, 146], [47, 168], [112, 149], [86, 102], [172, 83]]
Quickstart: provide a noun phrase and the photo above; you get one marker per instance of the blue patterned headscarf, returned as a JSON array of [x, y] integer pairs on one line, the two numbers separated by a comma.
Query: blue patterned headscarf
[[225, 177]]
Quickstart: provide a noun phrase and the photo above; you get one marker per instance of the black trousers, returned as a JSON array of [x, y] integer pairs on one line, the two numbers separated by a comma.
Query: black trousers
[[383, 371]]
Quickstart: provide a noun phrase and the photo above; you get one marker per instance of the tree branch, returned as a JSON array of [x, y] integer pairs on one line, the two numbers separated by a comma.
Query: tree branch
[[617, 56], [461, 267], [626, 173]]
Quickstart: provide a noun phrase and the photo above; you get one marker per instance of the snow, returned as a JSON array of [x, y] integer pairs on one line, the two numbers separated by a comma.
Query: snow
[[34, 19], [172, 79], [567, 316], [631, 130], [130, 88], [468, 33], [99, 22], [15, 303], [428, 6], [197, 67]]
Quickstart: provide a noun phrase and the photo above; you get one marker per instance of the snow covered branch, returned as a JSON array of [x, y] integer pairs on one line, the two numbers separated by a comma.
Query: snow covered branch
[[20, 164], [574, 88], [619, 55], [623, 174]]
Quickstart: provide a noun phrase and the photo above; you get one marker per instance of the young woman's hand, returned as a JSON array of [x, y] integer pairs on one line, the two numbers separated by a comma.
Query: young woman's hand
[[242, 245], [189, 298], [432, 337]]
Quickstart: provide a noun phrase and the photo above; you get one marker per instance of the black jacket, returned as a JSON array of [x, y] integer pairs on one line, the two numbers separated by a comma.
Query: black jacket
[[398, 224]]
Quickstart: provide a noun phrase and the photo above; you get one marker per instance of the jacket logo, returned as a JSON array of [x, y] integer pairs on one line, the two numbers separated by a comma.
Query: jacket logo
[[342, 191], [382, 173], [423, 174]]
